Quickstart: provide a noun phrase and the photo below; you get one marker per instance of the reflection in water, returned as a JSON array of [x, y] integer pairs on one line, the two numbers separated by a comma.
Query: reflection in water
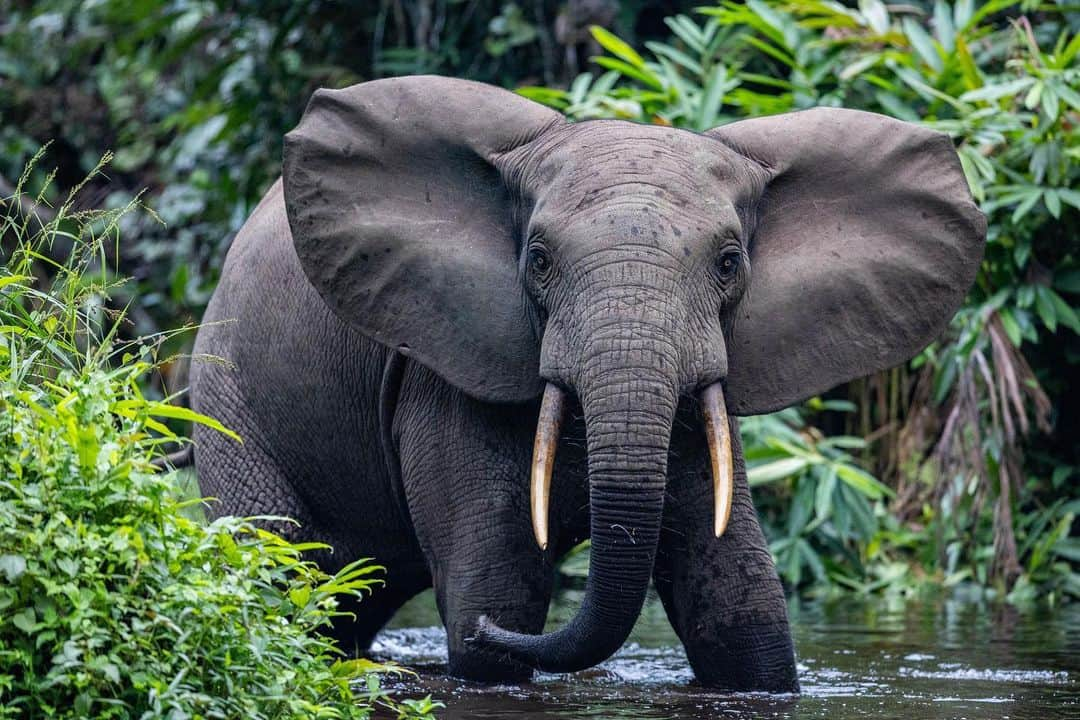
[[857, 659]]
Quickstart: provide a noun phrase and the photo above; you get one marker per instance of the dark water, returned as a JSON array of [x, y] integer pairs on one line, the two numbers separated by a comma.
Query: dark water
[[928, 659]]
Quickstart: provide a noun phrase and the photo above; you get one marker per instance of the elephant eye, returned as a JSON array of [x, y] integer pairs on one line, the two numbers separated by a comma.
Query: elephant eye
[[729, 264], [539, 262]]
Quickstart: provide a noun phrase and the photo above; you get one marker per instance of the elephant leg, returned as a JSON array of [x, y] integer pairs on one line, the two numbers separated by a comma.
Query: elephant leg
[[465, 468], [246, 481], [722, 595]]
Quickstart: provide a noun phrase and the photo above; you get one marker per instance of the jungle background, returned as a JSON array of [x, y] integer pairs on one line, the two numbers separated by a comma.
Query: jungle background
[[958, 469]]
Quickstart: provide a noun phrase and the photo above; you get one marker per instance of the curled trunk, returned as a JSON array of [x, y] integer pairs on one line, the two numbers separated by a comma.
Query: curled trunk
[[628, 415]]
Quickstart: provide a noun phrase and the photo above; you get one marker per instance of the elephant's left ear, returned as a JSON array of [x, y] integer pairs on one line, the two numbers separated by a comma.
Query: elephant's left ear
[[866, 241]]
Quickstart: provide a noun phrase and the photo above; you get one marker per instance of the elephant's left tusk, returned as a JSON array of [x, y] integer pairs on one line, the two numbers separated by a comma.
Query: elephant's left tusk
[[548, 428], [718, 433]]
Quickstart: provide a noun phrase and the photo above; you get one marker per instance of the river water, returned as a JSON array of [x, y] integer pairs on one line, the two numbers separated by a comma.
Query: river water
[[858, 658]]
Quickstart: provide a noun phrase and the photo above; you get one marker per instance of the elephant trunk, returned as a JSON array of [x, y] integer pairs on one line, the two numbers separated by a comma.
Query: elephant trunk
[[629, 411]]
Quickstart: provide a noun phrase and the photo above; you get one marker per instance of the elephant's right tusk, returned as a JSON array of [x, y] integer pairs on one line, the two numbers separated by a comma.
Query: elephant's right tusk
[[718, 434], [548, 427]]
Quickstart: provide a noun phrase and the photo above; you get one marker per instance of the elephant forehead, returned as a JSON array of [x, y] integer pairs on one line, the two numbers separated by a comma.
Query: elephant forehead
[[597, 165]]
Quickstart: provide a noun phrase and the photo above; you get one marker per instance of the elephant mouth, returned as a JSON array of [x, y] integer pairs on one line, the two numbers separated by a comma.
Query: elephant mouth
[[549, 428]]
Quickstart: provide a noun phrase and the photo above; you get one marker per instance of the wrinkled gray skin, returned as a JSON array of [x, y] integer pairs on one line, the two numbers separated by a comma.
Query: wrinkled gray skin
[[439, 249]]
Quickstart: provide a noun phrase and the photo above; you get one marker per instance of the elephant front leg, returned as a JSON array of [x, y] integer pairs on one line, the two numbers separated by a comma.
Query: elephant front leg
[[465, 471], [722, 595]]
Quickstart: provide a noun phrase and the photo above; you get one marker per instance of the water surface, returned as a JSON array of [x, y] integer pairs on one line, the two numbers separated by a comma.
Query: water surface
[[928, 659]]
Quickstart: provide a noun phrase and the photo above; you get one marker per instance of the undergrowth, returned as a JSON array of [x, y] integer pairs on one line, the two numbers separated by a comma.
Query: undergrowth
[[113, 602]]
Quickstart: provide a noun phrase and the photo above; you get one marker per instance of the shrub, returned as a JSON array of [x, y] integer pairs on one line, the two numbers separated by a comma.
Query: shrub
[[113, 603]]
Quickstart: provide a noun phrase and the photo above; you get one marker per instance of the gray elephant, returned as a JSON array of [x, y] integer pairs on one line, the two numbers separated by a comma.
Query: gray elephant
[[444, 262]]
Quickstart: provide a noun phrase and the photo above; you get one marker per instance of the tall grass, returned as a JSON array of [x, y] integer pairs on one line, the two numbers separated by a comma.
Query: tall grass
[[113, 603]]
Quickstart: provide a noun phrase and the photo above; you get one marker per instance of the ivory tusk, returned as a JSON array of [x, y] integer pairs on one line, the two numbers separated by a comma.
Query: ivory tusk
[[548, 427], [718, 433]]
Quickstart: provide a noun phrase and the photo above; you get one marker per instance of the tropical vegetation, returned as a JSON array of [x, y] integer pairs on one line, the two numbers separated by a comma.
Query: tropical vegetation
[[959, 468]]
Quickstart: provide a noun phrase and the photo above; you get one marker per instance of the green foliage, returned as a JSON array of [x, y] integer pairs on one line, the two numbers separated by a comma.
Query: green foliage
[[1006, 86], [824, 516], [194, 97], [113, 604]]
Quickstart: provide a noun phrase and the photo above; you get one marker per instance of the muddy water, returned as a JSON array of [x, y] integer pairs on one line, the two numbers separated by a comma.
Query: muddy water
[[928, 659]]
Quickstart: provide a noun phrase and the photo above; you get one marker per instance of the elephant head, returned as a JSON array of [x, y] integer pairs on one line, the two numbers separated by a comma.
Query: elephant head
[[514, 254]]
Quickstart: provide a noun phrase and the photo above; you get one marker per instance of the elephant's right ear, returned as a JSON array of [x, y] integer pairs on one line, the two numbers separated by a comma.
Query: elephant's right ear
[[405, 226]]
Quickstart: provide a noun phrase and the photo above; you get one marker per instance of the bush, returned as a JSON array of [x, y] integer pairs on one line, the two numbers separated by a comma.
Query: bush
[[113, 603]]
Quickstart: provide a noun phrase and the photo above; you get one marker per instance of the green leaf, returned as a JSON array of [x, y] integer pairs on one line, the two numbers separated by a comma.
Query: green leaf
[[778, 470], [1070, 51], [924, 45], [801, 506], [25, 620], [1025, 205], [994, 92], [943, 26], [876, 14], [1044, 306], [643, 76], [13, 566], [812, 560], [545, 96], [718, 85], [823, 499], [176, 412], [614, 45], [1066, 315], [857, 67], [1068, 548], [771, 51], [1069, 196], [8, 280], [862, 481], [1031, 100], [684, 28], [864, 525], [1053, 202], [962, 12], [896, 107], [1069, 95], [1012, 330], [912, 80], [300, 595], [1050, 104], [785, 27], [676, 56]]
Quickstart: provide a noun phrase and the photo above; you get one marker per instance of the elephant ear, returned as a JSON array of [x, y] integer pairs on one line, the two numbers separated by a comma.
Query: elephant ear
[[404, 225], [866, 241]]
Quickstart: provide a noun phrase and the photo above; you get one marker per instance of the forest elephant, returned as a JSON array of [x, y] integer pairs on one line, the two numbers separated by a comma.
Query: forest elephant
[[444, 262]]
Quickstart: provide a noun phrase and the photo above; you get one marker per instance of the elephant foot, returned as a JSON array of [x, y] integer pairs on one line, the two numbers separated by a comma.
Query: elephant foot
[[751, 658], [471, 661]]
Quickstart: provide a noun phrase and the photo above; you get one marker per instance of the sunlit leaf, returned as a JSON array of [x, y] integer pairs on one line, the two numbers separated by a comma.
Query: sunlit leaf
[[778, 470], [877, 16], [923, 44], [616, 46], [862, 481]]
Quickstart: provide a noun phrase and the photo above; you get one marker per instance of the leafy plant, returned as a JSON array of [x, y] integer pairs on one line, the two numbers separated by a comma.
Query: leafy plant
[[113, 603], [824, 517]]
